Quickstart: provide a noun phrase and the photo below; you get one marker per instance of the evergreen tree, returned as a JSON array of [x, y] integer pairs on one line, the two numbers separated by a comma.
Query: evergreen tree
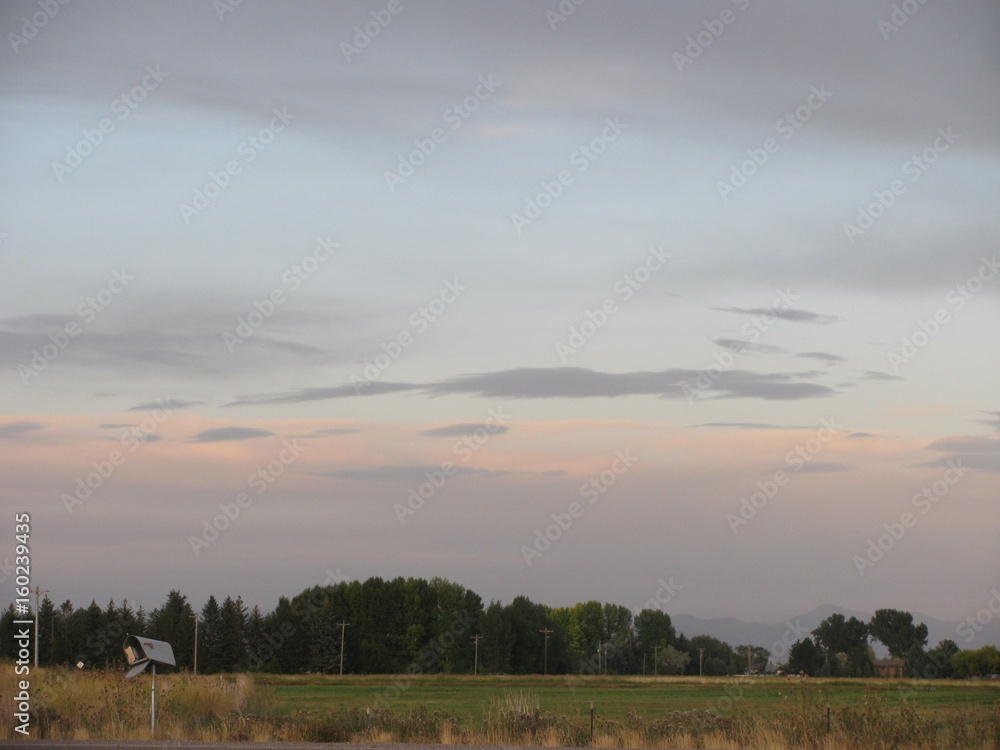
[[174, 623], [803, 656], [210, 659], [232, 636]]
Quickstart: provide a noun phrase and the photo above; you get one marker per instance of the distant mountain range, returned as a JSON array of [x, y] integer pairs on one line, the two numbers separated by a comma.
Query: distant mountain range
[[738, 632]]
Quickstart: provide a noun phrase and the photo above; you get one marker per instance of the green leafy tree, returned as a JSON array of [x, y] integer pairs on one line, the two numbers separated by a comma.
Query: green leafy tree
[[938, 664], [718, 657], [896, 631], [496, 647], [672, 660], [838, 635], [845, 643], [654, 632], [758, 655], [981, 662]]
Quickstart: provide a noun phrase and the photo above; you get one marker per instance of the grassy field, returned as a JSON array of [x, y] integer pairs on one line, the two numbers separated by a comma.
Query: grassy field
[[630, 712], [471, 699]]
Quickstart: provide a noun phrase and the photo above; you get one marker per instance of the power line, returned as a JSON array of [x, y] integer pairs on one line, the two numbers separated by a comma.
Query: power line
[[343, 625], [37, 592], [195, 618], [546, 662]]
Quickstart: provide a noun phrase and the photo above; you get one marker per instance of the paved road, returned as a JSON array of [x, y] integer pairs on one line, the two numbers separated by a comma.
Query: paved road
[[146, 744]]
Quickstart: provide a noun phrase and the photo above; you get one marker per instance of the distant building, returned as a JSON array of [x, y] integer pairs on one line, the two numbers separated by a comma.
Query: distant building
[[889, 667]]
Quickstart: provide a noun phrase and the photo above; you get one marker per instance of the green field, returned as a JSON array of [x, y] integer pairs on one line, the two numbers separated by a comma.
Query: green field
[[470, 698]]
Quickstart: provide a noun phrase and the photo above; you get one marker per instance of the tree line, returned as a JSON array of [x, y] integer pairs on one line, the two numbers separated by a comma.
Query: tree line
[[419, 626]]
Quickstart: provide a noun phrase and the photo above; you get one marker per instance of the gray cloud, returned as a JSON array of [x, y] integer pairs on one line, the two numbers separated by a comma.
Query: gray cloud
[[464, 429], [736, 345], [390, 473], [989, 462], [322, 394], [795, 316], [16, 429], [822, 467], [994, 423], [170, 404], [831, 359], [862, 435], [980, 452], [876, 375], [333, 432], [967, 444], [754, 426], [577, 382], [222, 434]]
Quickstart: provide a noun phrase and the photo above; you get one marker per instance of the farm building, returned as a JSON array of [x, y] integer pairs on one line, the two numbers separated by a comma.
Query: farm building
[[889, 667]]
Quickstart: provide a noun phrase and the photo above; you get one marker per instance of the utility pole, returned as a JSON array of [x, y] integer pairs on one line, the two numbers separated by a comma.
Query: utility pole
[[749, 660], [195, 618], [475, 668], [655, 661], [701, 652], [343, 625], [37, 593], [547, 632]]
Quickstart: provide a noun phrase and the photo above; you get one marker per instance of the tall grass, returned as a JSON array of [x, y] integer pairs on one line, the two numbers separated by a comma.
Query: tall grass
[[103, 705]]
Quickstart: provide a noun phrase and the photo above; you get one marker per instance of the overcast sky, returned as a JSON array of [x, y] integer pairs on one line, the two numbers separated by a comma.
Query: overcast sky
[[530, 296]]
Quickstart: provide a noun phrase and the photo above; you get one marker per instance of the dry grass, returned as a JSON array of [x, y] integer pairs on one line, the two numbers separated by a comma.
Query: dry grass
[[103, 705]]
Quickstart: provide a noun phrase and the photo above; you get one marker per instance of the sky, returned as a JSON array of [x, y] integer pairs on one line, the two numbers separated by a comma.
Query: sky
[[575, 300]]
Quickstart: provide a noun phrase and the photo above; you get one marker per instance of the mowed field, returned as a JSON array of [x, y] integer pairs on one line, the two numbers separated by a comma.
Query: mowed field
[[469, 699]]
